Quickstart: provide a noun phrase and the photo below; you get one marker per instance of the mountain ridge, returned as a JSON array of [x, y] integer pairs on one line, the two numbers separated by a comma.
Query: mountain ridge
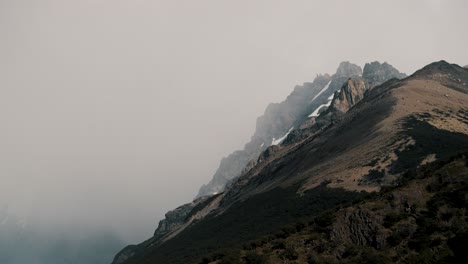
[[342, 155], [279, 118]]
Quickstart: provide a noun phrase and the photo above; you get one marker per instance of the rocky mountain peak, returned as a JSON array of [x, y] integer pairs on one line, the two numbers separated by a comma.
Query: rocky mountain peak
[[350, 94], [377, 73], [346, 69], [322, 78]]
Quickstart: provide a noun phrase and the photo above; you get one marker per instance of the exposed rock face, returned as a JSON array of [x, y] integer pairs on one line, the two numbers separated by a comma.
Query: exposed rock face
[[376, 73], [347, 69], [173, 219], [279, 117], [177, 217], [230, 167], [466, 67], [174, 222], [360, 227], [350, 94]]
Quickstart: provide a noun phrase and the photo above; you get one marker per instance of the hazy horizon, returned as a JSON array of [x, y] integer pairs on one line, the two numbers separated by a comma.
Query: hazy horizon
[[114, 112]]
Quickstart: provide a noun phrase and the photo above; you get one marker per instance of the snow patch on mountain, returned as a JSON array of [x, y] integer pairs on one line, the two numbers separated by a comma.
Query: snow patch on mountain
[[323, 90], [279, 140], [317, 110]]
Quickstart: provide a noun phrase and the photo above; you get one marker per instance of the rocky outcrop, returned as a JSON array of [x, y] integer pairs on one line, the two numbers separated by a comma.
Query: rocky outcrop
[[350, 94], [360, 227], [175, 221], [347, 69], [230, 167], [176, 218], [376, 73]]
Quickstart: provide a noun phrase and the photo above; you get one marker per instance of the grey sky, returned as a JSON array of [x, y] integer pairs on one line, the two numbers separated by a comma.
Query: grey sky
[[113, 112]]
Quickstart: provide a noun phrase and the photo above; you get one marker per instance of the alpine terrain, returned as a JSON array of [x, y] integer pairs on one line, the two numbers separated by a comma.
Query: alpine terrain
[[367, 165]]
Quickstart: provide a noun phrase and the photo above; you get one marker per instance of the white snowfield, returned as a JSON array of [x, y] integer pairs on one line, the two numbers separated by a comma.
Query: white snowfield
[[317, 110], [279, 140], [323, 90]]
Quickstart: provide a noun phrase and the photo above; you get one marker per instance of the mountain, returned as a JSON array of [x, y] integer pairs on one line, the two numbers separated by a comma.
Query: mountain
[[379, 175], [280, 118]]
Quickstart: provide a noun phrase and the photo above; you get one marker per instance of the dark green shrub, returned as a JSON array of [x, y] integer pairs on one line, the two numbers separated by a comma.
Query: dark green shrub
[[254, 258], [289, 254], [278, 244], [393, 218]]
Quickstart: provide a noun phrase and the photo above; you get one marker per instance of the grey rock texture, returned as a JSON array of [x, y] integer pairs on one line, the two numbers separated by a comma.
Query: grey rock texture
[[173, 219], [177, 217], [360, 227], [230, 167], [347, 69], [376, 73]]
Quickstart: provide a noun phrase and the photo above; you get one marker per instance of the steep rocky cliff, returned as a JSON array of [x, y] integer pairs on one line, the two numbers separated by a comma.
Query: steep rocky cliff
[[351, 93]]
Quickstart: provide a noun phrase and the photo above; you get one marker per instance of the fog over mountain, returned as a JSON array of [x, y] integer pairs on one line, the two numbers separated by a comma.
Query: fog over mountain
[[115, 112]]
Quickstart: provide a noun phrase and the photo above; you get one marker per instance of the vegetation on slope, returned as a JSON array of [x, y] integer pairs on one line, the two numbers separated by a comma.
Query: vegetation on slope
[[258, 216], [421, 219]]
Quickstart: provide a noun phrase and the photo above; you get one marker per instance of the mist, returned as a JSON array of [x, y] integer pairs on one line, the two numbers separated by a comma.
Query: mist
[[113, 112]]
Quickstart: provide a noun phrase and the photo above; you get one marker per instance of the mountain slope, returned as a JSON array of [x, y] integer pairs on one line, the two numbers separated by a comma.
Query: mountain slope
[[278, 119], [369, 139], [304, 103]]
